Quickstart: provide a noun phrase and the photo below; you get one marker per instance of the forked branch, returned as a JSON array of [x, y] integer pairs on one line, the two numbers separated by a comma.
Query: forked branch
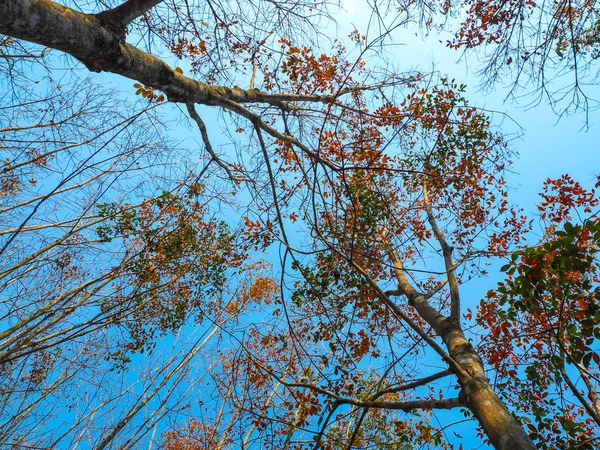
[[447, 254], [126, 12]]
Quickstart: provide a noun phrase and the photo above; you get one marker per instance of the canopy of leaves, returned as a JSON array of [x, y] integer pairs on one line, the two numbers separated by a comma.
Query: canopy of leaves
[[138, 309]]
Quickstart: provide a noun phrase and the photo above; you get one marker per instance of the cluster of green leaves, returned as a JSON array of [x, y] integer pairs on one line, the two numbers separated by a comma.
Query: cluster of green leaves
[[545, 325], [556, 276], [120, 221]]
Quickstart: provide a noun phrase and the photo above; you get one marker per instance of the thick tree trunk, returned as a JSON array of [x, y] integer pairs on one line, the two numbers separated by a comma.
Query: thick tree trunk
[[502, 429]]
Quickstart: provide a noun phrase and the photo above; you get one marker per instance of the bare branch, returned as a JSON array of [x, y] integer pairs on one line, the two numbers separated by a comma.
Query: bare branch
[[447, 253], [202, 127]]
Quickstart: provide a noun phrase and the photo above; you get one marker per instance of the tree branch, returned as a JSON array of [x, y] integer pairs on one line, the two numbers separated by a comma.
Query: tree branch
[[446, 403], [402, 406], [125, 13], [214, 157], [431, 315], [417, 383], [447, 253]]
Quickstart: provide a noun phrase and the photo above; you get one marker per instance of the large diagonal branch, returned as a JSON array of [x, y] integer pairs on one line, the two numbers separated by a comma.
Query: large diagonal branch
[[100, 45]]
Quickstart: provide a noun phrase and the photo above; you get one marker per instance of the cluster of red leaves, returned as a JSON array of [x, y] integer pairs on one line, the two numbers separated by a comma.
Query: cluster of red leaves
[[563, 197], [183, 47], [528, 29], [307, 73], [194, 435], [42, 364], [487, 21], [258, 235]]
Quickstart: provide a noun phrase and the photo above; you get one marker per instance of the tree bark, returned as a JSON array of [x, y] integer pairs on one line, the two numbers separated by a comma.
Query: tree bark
[[126, 12], [500, 426]]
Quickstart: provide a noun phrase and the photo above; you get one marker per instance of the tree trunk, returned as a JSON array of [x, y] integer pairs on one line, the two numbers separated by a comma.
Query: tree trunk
[[500, 426]]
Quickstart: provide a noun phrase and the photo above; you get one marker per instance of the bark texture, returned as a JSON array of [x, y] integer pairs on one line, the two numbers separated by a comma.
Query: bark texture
[[502, 429]]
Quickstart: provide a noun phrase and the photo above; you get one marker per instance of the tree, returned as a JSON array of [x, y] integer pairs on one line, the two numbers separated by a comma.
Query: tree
[[384, 192]]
